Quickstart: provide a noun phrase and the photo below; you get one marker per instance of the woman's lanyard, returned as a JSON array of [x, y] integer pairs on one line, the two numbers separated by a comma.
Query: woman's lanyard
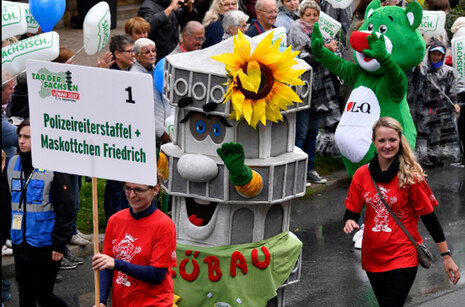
[[24, 189]]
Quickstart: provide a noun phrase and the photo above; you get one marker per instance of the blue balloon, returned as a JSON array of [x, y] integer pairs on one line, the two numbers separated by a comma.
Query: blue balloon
[[158, 75], [47, 12]]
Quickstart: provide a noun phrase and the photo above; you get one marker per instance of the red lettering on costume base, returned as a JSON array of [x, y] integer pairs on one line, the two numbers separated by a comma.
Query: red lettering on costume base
[[214, 272], [261, 264], [235, 258]]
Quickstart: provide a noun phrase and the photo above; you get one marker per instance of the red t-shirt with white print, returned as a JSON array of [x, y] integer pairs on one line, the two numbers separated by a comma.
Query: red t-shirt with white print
[[147, 241], [385, 246]]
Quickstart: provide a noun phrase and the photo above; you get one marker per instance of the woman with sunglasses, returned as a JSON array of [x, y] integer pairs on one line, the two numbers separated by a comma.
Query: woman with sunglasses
[[138, 252]]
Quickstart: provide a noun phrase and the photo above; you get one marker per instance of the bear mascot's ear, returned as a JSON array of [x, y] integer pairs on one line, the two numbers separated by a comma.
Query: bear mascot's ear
[[414, 14], [375, 4]]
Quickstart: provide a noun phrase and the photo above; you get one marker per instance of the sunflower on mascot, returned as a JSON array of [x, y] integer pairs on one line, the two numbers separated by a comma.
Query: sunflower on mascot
[[259, 81]]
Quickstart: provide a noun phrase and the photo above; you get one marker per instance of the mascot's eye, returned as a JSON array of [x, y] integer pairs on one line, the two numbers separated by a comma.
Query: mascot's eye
[[370, 27], [200, 127], [216, 130], [382, 29]]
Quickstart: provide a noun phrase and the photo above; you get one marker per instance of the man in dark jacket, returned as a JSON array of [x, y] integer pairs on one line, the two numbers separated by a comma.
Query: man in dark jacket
[[38, 211], [164, 16], [267, 12]]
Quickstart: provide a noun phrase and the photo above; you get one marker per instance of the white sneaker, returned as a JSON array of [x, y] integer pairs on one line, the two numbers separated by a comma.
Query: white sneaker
[[77, 240], [8, 243], [313, 176], [86, 237], [6, 251]]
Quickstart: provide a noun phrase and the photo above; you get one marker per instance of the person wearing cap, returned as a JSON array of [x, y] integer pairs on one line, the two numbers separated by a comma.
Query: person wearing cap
[[433, 97]]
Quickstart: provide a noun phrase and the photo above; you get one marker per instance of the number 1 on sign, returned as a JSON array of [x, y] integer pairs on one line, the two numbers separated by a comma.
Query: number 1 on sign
[[129, 90]]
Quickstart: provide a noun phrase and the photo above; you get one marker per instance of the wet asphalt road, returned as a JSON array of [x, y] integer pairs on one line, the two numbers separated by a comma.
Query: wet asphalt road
[[331, 271]]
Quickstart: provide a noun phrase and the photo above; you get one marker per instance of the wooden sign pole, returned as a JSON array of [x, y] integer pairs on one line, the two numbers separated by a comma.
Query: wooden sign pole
[[96, 239]]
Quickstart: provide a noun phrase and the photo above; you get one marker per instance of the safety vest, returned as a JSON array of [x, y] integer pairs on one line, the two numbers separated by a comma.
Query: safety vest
[[38, 216]]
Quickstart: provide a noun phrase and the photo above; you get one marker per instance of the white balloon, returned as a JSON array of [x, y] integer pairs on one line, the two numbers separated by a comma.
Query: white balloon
[[45, 47], [169, 126], [340, 4], [32, 24], [13, 20], [96, 28]]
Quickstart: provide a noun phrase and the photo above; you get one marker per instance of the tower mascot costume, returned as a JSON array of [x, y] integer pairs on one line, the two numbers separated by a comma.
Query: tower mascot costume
[[386, 45]]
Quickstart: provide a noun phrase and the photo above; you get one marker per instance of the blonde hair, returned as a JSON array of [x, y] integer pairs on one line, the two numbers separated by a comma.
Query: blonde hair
[[308, 4], [213, 13], [410, 171]]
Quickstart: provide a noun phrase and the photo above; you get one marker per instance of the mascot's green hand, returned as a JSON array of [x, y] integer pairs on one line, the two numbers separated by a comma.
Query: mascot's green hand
[[377, 49], [233, 157], [317, 41]]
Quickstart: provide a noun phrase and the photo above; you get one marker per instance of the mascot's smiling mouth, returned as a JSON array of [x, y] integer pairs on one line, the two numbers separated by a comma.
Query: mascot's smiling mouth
[[358, 41]]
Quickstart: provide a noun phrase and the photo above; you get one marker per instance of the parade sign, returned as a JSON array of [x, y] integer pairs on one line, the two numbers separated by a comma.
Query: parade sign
[[340, 4], [234, 275], [32, 25], [13, 20], [433, 22], [329, 26], [458, 56], [92, 122]]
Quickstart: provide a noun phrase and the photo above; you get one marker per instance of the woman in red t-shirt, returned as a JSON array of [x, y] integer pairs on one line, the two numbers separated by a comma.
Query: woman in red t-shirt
[[138, 252], [388, 256]]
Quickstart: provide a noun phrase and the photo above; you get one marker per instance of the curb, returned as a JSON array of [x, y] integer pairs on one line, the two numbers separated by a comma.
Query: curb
[[336, 179]]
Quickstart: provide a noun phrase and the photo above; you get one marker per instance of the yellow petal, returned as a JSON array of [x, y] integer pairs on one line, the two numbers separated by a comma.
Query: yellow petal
[[247, 110], [247, 83], [254, 73], [237, 100], [259, 112], [242, 47], [229, 59], [285, 92], [263, 47]]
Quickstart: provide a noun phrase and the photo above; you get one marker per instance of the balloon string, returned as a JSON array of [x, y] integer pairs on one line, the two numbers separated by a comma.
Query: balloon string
[[71, 58], [12, 78]]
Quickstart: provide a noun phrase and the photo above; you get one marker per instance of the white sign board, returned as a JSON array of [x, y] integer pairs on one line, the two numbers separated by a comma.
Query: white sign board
[[433, 22], [340, 4], [458, 55], [92, 122], [329, 26]]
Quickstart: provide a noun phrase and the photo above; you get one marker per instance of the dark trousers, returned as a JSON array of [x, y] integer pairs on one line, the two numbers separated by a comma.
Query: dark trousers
[[36, 278], [392, 287], [114, 199], [307, 124]]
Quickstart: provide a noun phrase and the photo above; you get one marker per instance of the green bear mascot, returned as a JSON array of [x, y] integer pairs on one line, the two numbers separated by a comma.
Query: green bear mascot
[[386, 45]]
